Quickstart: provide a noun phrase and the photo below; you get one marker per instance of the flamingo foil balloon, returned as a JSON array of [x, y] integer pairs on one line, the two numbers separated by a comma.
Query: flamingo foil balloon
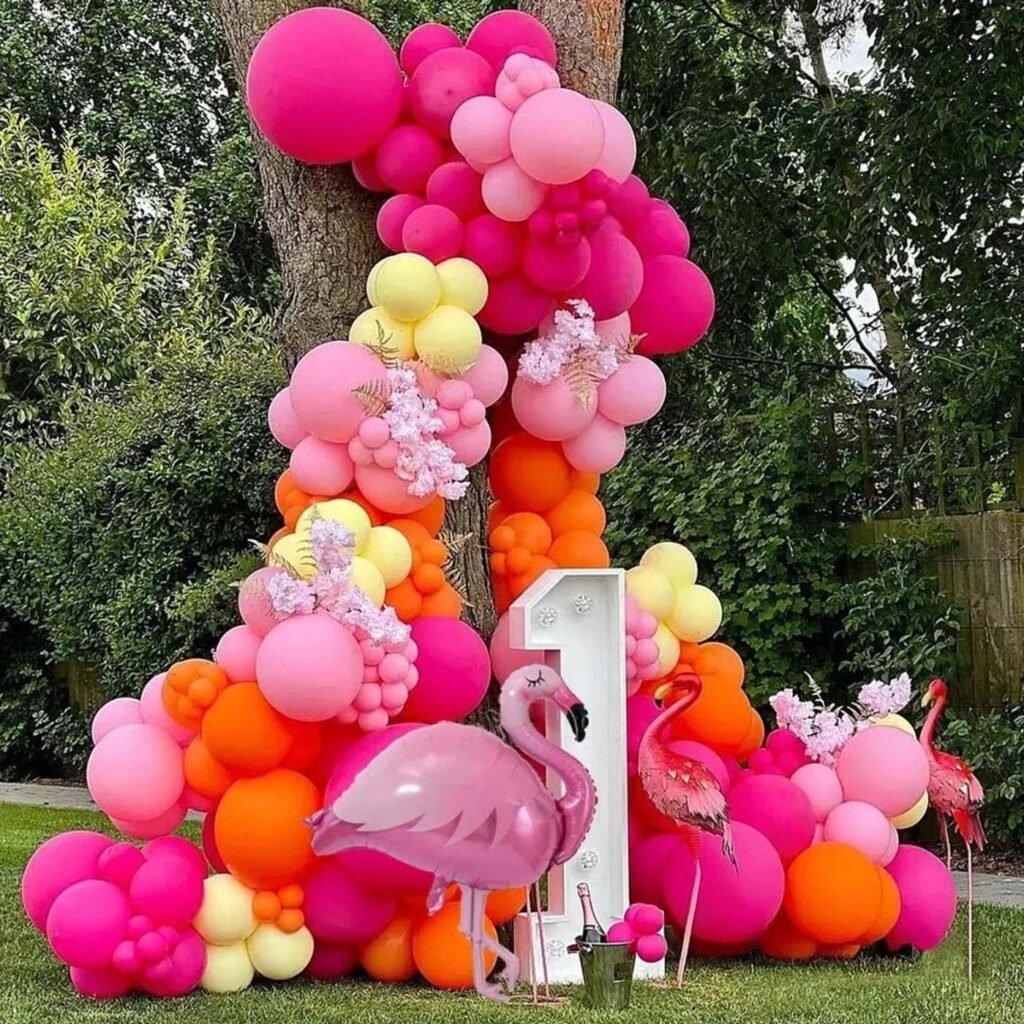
[[457, 801]]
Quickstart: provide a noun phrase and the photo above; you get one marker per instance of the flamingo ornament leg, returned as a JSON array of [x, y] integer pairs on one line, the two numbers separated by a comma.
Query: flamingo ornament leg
[[970, 915], [944, 829], [684, 950]]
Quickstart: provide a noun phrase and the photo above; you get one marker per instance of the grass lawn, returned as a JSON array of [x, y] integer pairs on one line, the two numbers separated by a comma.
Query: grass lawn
[[34, 988]]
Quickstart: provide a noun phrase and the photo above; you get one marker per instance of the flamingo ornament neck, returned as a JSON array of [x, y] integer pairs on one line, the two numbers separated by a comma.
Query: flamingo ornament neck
[[652, 734], [931, 723]]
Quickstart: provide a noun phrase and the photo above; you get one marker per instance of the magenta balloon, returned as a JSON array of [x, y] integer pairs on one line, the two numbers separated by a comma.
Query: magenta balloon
[[118, 864], [337, 909], [176, 848], [323, 85], [388, 492], [111, 984], [236, 653], [254, 604], [641, 711], [433, 231], [55, 866], [707, 757], [778, 809], [136, 773], [457, 186], [927, 899], [514, 306], [615, 277], [331, 961], [598, 448], [364, 170], [619, 152], [210, 843], [407, 157], [861, 826], [658, 863], [480, 130], [321, 467], [392, 216], [629, 204], [115, 713], [675, 307], [552, 412], [188, 961], [323, 386], [510, 193], [822, 787], [661, 233], [168, 890], [556, 269], [383, 874], [283, 422], [494, 245], [442, 82], [488, 376], [633, 394], [557, 136], [506, 32], [86, 922], [424, 40], [883, 766], [454, 668]]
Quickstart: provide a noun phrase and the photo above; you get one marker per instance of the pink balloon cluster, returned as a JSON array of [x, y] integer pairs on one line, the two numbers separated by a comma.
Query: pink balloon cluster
[[641, 650], [119, 916], [641, 927]]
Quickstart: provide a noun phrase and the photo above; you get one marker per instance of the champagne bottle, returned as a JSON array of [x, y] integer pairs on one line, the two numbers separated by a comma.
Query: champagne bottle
[[592, 930]]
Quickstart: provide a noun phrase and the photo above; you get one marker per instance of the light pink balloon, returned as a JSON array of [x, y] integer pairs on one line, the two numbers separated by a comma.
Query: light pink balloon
[[470, 444], [338, 909], [615, 276], [556, 269], [86, 922], [135, 773], [883, 766], [506, 32], [822, 787], [861, 826], [283, 422], [819, 833], [557, 136], [505, 659], [493, 244], [633, 394], [619, 153], [236, 653], [598, 448], [407, 157], [514, 306], [552, 412], [55, 866], [254, 604], [392, 216], [442, 82], [152, 828], [321, 467], [323, 85], [480, 130], [510, 193], [309, 668], [322, 388], [424, 40], [927, 898], [488, 376], [675, 306], [521, 77], [433, 231], [892, 849], [457, 186], [388, 492], [115, 713]]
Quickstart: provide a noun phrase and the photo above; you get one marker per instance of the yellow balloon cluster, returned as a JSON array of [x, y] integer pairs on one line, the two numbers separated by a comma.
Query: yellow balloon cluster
[[238, 947], [383, 557], [426, 312], [665, 584]]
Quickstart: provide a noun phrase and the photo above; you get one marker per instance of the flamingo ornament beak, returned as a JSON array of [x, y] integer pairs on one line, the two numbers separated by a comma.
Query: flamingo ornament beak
[[927, 698]]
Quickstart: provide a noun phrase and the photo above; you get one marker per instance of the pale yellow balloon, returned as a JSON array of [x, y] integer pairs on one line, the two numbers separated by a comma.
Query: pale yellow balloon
[[225, 915], [376, 328], [672, 560], [294, 552], [697, 614], [463, 284], [896, 722], [367, 577], [389, 551], [228, 968], [668, 649], [910, 818], [448, 340], [371, 281], [407, 286], [280, 955], [652, 590], [339, 510]]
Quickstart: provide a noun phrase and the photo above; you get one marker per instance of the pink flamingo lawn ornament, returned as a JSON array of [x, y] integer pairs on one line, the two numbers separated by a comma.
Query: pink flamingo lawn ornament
[[955, 793], [457, 801], [683, 789]]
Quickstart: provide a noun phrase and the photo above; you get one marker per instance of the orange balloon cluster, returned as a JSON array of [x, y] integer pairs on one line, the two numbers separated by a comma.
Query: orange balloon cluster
[[425, 591]]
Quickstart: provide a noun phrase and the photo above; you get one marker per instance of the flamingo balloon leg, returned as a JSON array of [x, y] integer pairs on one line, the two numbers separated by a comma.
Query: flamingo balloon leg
[[471, 924]]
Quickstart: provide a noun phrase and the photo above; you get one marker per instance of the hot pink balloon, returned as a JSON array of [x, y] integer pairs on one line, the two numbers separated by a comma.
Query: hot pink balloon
[[457, 186], [493, 244], [514, 306], [115, 713], [552, 412], [778, 809], [424, 40], [556, 269], [321, 467], [388, 492], [57, 865], [707, 757], [506, 32], [442, 82], [661, 233], [86, 922], [615, 277], [454, 669], [488, 376], [433, 231], [633, 394], [480, 130], [392, 216], [168, 890], [641, 711], [364, 170], [337, 909], [322, 388], [283, 422], [187, 963], [675, 306], [407, 157], [323, 85], [927, 899], [861, 826], [135, 773], [331, 961], [510, 193], [309, 668], [822, 787], [557, 136], [598, 448], [110, 984], [630, 203], [651, 862], [883, 766], [254, 604], [236, 653], [619, 153]]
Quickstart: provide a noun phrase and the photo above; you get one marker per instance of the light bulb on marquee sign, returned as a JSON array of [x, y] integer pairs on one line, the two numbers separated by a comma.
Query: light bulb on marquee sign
[[579, 616]]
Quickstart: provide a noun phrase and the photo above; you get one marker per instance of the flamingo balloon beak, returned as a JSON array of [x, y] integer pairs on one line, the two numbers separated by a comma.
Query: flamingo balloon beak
[[578, 721]]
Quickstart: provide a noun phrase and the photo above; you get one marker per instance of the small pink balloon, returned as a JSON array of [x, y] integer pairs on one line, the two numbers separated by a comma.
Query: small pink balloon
[[651, 948], [557, 136], [115, 713], [392, 216], [339, 910], [323, 384], [488, 376], [424, 40], [778, 809], [136, 773], [521, 77], [707, 757], [619, 153], [510, 193], [183, 969], [621, 932], [168, 890], [433, 231], [506, 32], [598, 448], [553, 268], [309, 668], [494, 245], [552, 412], [645, 918], [57, 865], [236, 653], [388, 492], [110, 984], [194, 801], [254, 604], [927, 898], [151, 828], [514, 306], [821, 786], [633, 394], [457, 186], [675, 306], [407, 157], [119, 863], [284, 424], [615, 277], [762, 762], [883, 766], [819, 833], [86, 922], [443, 81], [321, 467], [861, 826], [630, 202], [661, 233], [332, 961], [480, 130]]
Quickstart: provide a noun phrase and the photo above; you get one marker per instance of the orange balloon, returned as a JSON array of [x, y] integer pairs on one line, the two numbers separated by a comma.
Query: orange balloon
[[388, 957], [783, 941], [284, 484], [579, 549], [495, 514], [719, 718], [530, 531], [406, 600], [190, 688], [445, 604], [845, 951], [504, 904], [579, 510], [415, 533], [244, 732], [307, 740], [588, 482], [266, 905], [833, 893], [204, 773], [443, 955], [529, 475], [431, 516], [753, 739], [888, 912], [260, 828], [518, 582], [716, 663]]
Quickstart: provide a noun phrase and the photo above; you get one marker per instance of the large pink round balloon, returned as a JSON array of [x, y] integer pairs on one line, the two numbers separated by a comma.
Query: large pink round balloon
[[630, 203], [424, 40], [337, 909], [382, 874], [254, 604], [557, 136], [454, 669], [322, 388], [633, 394], [58, 864], [168, 890], [506, 32], [493, 244], [598, 448], [323, 85], [883, 766], [392, 216], [442, 82], [707, 757], [407, 157], [309, 668], [552, 412], [927, 899], [615, 277], [778, 809], [115, 713], [457, 186], [675, 306], [86, 922], [321, 467], [861, 826], [136, 773], [619, 153], [514, 306], [510, 193], [480, 130], [488, 376], [651, 861], [556, 269], [381, 487], [236, 653], [505, 658], [283, 422], [822, 787], [111, 984]]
